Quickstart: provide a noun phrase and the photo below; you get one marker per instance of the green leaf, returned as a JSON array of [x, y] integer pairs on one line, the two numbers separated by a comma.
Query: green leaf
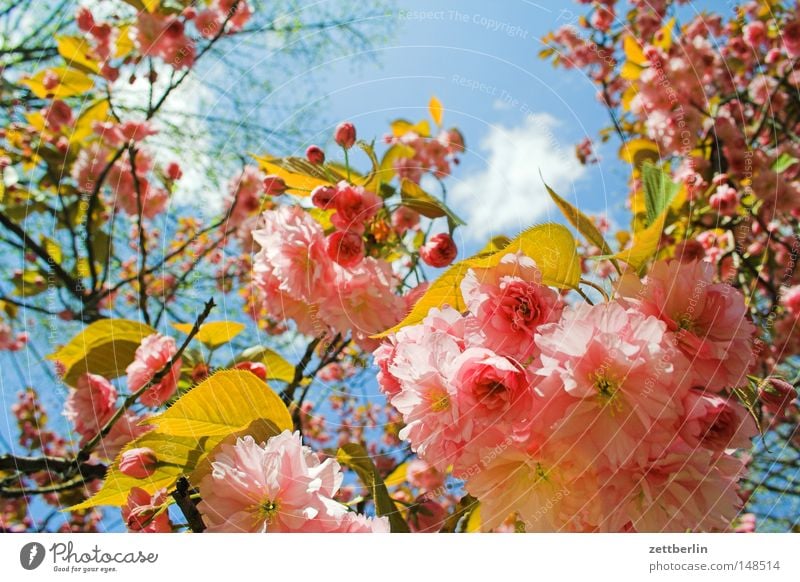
[[278, 368], [580, 221], [214, 333], [105, 347], [417, 199], [659, 190], [784, 162], [354, 456], [222, 404]]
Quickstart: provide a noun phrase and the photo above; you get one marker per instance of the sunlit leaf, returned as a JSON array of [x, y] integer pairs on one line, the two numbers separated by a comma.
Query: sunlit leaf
[[639, 150], [222, 404], [436, 110], [77, 52], [580, 221], [659, 190], [278, 368], [105, 347], [417, 199], [300, 175], [71, 82], [214, 333]]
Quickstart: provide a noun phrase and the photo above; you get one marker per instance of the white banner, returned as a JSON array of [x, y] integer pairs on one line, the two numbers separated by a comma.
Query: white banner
[[291, 558]]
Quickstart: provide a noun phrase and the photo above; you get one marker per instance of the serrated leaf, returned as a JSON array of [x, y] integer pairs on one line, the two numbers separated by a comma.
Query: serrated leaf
[[659, 190], [354, 456], [77, 53], [71, 82], [105, 347], [222, 404], [214, 333], [550, 245], [176, 456], [416, 198], [580, 221], [436, 110], [278, 368], [300, 175]]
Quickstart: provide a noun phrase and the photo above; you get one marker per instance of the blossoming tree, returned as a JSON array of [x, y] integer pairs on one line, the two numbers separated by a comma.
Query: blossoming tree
[[520, 389]]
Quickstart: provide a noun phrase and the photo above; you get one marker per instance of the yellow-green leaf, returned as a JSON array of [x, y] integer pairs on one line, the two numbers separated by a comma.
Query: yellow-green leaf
[[633, 51], [436, 109], [417, 199], [396, 152], [77, 52], [224, 403], [398, 476], [71, 82], [214, 333], [176, 456], [581, 222], [400, 127], [550, 245], [645, 244], [354, 456], [278, 368], [474, 520], [300, 176], [105, 347]]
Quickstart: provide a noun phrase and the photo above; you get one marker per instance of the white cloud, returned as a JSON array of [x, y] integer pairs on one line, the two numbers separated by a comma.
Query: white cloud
[[508, 194]]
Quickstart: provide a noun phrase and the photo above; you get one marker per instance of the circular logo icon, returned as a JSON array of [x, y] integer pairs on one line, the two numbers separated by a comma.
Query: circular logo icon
[[31, 555]]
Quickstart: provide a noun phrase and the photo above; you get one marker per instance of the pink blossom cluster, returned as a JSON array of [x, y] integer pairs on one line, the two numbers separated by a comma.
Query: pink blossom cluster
[[618, 416], [431, 155], [10, 341], [277, 487], [132, 179], [299, 280]]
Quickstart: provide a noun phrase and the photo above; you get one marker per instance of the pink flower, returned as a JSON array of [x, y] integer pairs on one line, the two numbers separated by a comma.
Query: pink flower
[[274, 185], [315, 155], [346, 248], [426, 516], [362, 299], [715, 422], [611, 383], [322, 196], [129, 427], [776, 395], [707, 321], [91, 405], [345, 135], [174, 171], [257, 368], [439, 251], [790, 299], [279, 487], [245, 192], [293, 252], [57, 115], [147, 513], [404, 219], [510, 303], [88, 166], [163, 36], [791, 38], [686, 489], [746, 523], [724, 200], [84, 19], [138, 463], [354, 207], [423, 475], [151, 356]]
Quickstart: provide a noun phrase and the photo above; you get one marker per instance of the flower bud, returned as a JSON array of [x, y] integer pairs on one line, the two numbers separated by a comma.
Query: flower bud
[[274, 185], [345, 135], [322, 196], [256, 368], [138, 463], [439, 251], [776, 395], [315, 155]]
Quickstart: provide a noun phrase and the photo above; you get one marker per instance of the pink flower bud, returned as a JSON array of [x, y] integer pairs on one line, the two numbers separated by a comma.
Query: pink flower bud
[[274, 185], [256, 368], [84, 19], [439, 251], [138, 463], [315, 155], [776, 395], [322, 196], [346, 248], [50, 80], [174, 171], [345, 135]]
